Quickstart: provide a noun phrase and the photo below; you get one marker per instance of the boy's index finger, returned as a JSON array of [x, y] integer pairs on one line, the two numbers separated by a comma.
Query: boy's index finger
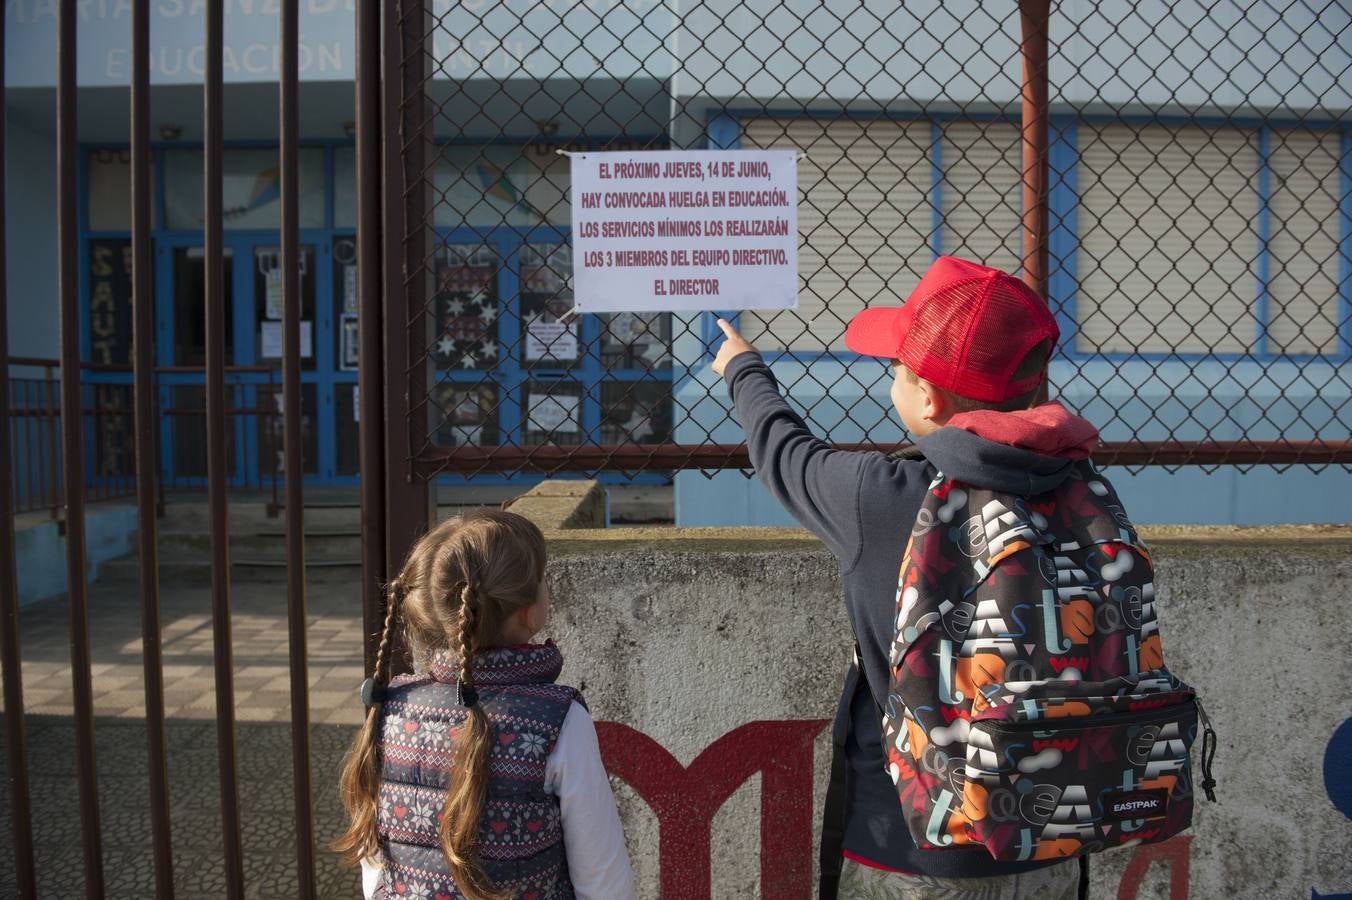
[[728, 330]]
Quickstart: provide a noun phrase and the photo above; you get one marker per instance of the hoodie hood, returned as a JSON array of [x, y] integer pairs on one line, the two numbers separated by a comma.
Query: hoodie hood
[[1028, 452]]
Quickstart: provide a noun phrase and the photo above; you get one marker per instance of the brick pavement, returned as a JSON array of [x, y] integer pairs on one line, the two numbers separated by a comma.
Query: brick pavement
[[263, 739]]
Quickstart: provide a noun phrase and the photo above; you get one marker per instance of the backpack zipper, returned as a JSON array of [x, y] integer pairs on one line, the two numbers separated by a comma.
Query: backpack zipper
[[1144, 717]]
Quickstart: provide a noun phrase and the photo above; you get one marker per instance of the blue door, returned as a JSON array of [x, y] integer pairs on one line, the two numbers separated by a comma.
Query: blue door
[[253, 301]]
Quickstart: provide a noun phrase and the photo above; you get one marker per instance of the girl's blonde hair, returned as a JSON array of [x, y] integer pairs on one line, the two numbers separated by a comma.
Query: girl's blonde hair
[[461, 583]]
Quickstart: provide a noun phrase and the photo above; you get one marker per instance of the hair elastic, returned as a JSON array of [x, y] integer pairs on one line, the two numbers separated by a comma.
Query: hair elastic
[[465, 694], [371, 693]]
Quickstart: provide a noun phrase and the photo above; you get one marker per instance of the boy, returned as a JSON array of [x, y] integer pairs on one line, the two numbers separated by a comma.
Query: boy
[[969, 350]]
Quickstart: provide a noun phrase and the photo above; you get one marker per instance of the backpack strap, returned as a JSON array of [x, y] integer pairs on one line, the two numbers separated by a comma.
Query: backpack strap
[[833, 812]]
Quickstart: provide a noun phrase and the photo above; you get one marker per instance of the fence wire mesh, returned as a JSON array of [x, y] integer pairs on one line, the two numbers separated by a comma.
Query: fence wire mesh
[[1198, 184]]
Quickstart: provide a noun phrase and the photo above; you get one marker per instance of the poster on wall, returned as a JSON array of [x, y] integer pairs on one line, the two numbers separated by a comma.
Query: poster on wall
[[349, 290], [272, 340], [468, 414], [551, 413], [347, 360], [110, 300], [550, 336], [466, 307], [274, 296], [636, 340], [685, 230]]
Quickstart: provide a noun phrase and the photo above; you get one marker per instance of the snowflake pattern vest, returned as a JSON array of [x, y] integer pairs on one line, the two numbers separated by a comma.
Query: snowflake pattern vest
[[521, 835], [1030, 710]]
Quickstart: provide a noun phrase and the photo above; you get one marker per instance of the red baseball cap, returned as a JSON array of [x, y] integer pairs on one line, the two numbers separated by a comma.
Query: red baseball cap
[[965, 328]]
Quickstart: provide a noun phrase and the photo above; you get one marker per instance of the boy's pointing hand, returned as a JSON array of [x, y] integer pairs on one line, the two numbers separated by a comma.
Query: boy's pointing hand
[[735, 345]]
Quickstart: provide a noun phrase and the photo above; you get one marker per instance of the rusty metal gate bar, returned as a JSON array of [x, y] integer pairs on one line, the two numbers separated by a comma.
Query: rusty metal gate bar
[[11, 669], [629, 458], [216, 325], [404, 235], [72, 449], [370, 377], [1033, 15], [293, 467], [146, 449]]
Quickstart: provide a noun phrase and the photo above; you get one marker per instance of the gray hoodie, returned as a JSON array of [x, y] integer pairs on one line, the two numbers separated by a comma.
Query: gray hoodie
[[863, 507]]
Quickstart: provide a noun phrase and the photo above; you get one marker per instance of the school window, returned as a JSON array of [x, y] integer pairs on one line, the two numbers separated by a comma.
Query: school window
[[981, 194], [864, 221], [1302, 242], [1175, 254]]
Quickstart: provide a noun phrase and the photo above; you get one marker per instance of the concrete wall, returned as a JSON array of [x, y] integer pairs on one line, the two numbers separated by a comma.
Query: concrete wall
[[723, 652]]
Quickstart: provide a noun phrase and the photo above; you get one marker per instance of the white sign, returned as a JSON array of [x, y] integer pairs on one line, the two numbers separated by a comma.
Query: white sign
[[685, 230], [273, 341], [550, 341], [552, 412]]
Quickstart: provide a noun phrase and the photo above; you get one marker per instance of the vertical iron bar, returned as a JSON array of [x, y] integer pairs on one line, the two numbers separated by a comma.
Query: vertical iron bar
[[53, 441], [72, 439], [370, 369], [159, 451], [404, 194], [94, 413], [1033, 16], [147, 437], [32, 436], [294, 466], [11, 668], [217, 435], [268, 411]]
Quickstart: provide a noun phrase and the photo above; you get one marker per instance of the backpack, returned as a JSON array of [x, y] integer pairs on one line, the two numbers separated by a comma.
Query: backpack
[[1030, 710]]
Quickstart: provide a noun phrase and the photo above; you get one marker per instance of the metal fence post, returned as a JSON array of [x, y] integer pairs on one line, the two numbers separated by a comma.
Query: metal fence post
[[16, 740], [370, 371], [409, 499], [72, 448], [148, 482], [288, 129], [217, 429]]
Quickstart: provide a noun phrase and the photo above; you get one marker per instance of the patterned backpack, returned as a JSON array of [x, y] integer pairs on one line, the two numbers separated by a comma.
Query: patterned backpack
[[1030, 710]]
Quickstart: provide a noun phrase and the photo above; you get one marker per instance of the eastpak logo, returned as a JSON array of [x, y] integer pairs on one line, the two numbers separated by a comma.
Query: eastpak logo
[[1121, 805]]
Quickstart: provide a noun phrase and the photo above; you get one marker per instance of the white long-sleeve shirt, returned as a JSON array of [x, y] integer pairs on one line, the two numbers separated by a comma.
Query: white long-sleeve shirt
[[598, 863]]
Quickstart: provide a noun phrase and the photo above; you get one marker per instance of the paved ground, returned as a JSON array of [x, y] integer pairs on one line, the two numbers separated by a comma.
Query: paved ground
[[263, 740]]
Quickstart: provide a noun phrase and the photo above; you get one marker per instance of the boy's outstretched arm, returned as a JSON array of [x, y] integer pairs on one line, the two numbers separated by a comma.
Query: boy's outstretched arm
[[816, 483]]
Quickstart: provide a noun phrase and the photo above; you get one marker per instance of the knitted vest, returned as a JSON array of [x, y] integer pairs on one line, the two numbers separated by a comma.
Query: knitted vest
[[521, 833]]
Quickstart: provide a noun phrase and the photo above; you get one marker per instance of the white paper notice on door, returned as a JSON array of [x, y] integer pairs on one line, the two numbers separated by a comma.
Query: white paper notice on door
[[272, 341], [684, 230], [550, 340], [550, 412]]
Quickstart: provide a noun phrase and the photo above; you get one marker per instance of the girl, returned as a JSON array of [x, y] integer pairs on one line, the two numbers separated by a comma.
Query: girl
[[478, 776]]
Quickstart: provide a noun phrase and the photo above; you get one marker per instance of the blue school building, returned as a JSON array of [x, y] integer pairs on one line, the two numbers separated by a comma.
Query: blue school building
[[1226, 316]]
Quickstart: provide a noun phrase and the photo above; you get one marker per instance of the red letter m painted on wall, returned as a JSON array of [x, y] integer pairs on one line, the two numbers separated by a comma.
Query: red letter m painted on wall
[[685, 800]]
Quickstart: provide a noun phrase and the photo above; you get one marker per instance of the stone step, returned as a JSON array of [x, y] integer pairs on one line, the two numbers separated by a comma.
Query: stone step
[[320, 544], [196, 572]]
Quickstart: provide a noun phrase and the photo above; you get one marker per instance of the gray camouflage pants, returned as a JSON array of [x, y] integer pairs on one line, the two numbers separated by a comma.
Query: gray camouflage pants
[[860, 882]]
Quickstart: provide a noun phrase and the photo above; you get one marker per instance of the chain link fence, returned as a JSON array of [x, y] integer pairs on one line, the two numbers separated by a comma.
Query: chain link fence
[[1198, 237]]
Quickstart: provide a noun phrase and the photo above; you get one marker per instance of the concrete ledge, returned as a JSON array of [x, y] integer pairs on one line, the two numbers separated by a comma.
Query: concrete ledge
[[1336, 539], [556, 504], [40, 548]]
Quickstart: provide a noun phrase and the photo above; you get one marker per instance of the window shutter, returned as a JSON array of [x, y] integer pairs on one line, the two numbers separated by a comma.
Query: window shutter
[[982, 193], [1303, 241], [1167, 239], [864, 221]]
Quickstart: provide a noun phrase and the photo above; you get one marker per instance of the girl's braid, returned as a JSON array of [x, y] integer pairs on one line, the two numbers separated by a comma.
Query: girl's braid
[[464, 642], [394, 592]]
